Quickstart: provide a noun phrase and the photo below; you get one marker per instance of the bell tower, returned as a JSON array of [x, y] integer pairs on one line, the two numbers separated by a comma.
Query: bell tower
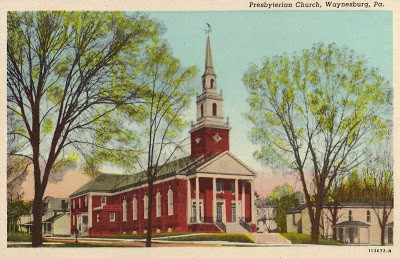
[[210, 133]]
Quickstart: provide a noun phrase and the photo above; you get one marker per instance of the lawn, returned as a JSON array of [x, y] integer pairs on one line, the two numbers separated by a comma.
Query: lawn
[[297, 238]]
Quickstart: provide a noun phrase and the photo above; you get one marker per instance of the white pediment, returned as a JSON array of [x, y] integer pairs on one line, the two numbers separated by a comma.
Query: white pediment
[[226, 164]]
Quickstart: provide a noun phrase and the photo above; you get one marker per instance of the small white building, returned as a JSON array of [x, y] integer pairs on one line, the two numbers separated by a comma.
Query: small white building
[[355, 223], [266, 212]]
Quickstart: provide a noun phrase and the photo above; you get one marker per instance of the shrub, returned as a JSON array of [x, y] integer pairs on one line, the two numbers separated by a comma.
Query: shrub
[[297, 238], [19, 237], [240, 238]]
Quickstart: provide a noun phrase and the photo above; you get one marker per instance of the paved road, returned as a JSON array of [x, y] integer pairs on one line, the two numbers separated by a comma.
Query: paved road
[[270, 239]]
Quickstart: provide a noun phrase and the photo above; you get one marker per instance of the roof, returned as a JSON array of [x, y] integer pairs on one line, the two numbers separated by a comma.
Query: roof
[[297, 209], [351, 224], [52, 219], [110, 183], [264, 203]]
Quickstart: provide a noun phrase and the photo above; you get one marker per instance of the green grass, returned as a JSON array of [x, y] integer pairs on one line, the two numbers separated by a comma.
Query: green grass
[[241, 238], [297, 238], [73, 244], [19, 237], [143, 236]]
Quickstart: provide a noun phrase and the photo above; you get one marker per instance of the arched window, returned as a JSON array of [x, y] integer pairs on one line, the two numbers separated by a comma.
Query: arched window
[[170, 203], [158, 204], [214, 109], [212, 83], [145, 205], [134, 207], [124, 211], [201, 110]]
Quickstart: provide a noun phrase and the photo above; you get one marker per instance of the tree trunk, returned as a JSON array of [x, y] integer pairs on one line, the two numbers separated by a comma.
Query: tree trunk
[[37, 220], [149, 217], [383, 234], [315, 231]]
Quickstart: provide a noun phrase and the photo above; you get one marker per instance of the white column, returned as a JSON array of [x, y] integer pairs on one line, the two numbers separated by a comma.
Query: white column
[[243, 200], [214, 200], [188, 202], [236, 198], [253, 204], [90, 215], [197, 201]]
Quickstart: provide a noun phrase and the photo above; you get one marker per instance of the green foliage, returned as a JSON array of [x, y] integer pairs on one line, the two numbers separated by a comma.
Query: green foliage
[[284, 198], [297, 238], [19, 237], [240, 238], [16, 209], [324, 95]]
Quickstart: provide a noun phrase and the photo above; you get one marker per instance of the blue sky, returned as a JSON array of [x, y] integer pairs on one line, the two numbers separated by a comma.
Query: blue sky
[[240, 38]]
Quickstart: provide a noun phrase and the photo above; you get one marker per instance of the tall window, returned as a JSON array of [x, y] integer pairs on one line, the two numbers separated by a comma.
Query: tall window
[[145, 205], [368, 216], [112, 216], [170, 203], [158, 204], [73, 204], [73, 220], [124, 210], [212, 83], [201, 110], [233, 187], [98, 217], [79, 202], [214, 109], [220, 186], [350, 215], [293, 219], [103, 200], [85, 200], [134, 205]]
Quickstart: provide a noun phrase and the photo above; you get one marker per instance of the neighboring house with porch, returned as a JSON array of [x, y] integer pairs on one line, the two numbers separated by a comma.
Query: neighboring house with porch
[[356, 222], [266, 212], [211, 190], [55, 219]]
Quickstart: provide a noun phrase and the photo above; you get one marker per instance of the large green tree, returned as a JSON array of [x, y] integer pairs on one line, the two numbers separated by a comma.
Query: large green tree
[[284, 198], [167, 99], [314, 112], [68, 75]]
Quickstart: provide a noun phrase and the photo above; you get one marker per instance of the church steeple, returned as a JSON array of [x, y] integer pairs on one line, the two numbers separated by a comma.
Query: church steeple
[[211, 132], [209, 69]]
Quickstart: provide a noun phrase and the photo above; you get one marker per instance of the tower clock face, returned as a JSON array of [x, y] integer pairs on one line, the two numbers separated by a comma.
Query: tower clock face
[[217, 138]]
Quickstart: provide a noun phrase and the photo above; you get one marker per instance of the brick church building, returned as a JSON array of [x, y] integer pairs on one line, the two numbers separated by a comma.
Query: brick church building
[[211, 190]]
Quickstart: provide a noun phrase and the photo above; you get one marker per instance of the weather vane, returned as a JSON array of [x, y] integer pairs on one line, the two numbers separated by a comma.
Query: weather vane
[[208, 30]]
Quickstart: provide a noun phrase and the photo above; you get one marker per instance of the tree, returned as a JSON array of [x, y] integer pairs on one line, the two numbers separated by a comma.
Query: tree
[[313, 113], [284, 198], [67, 80], [168, 98], [17, 166], [378, 179], [16, 209]]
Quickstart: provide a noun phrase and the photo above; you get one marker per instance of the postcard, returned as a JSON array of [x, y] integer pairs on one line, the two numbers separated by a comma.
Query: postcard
[[216, 128]]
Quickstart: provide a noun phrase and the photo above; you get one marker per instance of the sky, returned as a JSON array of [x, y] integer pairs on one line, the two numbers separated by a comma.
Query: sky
[[240, 38]]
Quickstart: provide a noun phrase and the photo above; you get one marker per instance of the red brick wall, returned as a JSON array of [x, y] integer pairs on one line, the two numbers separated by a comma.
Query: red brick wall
[[207, 145]]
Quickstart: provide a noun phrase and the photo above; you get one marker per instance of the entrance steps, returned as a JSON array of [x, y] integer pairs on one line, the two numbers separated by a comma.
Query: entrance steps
[[235, 228]]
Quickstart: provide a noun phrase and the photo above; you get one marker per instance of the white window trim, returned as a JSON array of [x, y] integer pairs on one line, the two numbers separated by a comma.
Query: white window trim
[[112, 219], [145, 206], [73, 204], [170, 202], [105, 200], [86, 199], [124, 211], [158, 204], [134, 208], [79, 202]]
